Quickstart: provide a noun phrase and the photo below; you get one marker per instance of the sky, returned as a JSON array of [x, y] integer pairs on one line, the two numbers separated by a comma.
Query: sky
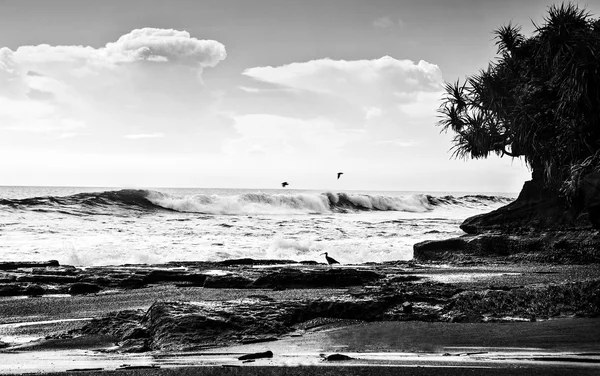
[[245, 94]]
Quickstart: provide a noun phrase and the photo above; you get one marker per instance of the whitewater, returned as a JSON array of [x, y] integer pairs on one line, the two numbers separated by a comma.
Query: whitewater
[[107, 226]]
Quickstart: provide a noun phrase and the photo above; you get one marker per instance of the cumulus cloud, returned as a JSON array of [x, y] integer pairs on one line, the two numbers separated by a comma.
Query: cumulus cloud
[[161, 45], [147, 44], [383, 99], [146, 81], [376, 79]]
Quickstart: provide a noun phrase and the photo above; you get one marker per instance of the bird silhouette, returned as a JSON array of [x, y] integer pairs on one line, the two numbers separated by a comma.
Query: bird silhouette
[[330, 260], [284, 184], [340, 174]]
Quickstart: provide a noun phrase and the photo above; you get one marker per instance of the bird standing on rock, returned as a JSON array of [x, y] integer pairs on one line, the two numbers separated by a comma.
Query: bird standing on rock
[[330, 260]]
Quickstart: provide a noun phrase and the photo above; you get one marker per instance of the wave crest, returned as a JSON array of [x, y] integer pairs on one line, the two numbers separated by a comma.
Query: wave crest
[[114, 202]]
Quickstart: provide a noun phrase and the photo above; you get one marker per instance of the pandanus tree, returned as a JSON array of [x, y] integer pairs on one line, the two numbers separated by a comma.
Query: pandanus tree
[[540, 100]]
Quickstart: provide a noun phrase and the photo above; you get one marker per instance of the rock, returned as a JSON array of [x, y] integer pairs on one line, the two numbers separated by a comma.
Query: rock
[[547, 246], [10, 290], [590, 197], [540, 225], [12, 265], [336, 358], [83, 288], [47, 278], [134, 345], [4, 345], [156, 276], [7, 278], [259, 355], [34, 290], [294, 278], [230, 281], [249, 261], [407, 308]]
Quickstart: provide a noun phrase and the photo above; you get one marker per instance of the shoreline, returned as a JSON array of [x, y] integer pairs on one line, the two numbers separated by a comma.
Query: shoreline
[[415, 326]]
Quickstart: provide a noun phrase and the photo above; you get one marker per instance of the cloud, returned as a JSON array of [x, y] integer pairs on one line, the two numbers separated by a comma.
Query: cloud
[[147, 44], [369, 103], [146, 83], [144, 135], [386, 22], [162, 45], [376, 79]]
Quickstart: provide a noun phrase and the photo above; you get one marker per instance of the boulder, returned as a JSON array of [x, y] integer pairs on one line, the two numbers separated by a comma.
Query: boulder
[[83, 288]]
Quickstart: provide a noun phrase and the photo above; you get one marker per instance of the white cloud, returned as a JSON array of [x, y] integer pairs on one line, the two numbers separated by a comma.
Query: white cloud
[[146, 82], [144, 135], [373, 80], [147, 44], [384, 97]]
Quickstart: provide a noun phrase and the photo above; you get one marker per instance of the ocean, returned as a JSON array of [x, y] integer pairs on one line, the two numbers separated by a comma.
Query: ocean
[[107, 226]]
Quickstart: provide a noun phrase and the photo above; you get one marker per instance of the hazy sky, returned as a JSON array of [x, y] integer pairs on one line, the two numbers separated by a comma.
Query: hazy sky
[[240, 93]]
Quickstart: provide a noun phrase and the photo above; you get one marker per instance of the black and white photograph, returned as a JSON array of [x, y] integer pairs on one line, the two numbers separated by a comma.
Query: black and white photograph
[[299, 187]]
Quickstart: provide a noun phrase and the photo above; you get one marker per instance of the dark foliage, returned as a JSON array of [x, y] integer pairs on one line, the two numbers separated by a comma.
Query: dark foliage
[[539, 100]]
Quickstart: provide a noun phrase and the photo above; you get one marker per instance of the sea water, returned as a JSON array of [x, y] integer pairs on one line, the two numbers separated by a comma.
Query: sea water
[[107, 226]]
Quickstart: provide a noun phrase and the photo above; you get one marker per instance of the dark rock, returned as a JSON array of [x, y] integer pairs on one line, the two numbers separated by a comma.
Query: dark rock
[[259, 355], [12, 265], [249, 261], [115, 324], [34, 290], [294, 278], [10, 290], [548, 246], [47, 278], [156, 276], [590, 196], [134, 345], [407, 307], [540, 225], [247, 341], [230, 281], [4, 345], [336, 358], [537, 208], [83, 288]]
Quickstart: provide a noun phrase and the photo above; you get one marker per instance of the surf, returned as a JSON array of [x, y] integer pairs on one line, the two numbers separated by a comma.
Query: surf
[[249, 203]]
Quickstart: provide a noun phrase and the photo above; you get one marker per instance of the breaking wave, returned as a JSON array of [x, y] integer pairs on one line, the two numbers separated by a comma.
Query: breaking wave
[[119, 202]]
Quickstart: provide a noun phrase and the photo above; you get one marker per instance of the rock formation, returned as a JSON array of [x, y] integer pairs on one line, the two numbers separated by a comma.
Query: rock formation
[[540, 225]]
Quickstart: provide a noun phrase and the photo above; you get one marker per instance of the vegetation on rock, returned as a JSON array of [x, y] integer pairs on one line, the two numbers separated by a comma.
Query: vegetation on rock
[[538, 101]]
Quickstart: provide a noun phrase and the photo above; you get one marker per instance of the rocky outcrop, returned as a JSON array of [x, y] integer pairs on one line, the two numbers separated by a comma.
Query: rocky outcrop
[[16, 279], [540, 225], [179, 326]]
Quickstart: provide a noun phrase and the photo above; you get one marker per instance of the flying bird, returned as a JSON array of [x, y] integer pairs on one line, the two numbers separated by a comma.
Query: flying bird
[[284, 184], [330, 260], [340, 174]]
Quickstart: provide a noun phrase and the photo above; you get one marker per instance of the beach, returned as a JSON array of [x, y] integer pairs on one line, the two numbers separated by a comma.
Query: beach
[[401, 318]]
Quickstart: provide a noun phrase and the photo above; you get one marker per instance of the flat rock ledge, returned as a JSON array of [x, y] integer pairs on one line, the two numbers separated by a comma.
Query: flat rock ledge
[[544, 246], [188, 326], [44, 278]]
